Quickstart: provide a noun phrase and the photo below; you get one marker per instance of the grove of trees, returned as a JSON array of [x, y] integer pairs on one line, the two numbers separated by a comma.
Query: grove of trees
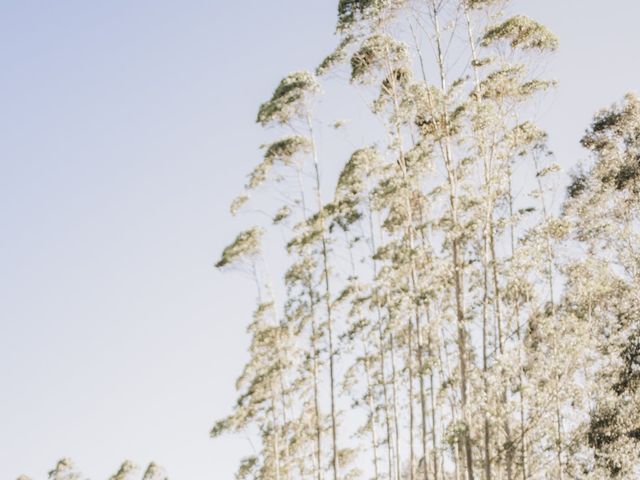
[[439, 316], [65, 469]]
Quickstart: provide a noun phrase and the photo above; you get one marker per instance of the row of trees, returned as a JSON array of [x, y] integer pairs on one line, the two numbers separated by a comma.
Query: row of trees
[[66, 470], [439, 317]]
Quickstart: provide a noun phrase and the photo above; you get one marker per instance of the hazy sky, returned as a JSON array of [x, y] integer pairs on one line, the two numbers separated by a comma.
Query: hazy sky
[[126, 127]]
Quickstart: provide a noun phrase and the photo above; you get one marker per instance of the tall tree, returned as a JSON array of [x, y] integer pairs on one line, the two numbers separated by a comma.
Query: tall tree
[[603, 208], [65, 470]]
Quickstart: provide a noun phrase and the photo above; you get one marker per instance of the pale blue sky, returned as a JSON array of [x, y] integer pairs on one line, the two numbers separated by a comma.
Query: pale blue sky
[[126, 127]]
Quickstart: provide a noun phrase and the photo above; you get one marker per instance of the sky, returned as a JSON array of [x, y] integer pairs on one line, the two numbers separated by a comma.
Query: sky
[[126, 128]]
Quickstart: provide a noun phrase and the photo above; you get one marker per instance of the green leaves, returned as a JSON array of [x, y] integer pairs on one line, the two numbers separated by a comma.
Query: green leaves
[[510, 83], [125, 471], [619, 123], [614, 137], [286, 149], [289, 99], [430, 256], [238, 203], [360, 165], [282, 151], [154, 472], [65, 470], [378, 53], [479, 4], [521, 32], [247, 468], [282, 213], [336, 57], [350, 12], [243, 248]]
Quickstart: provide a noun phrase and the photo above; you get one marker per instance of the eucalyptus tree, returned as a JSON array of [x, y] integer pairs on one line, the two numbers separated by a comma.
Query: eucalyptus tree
[[154, 472], [603, 207], [465, 316], [262, 402], [460, 126], [125, 472], [286, 159], [290, 106], [382, 61], [359, 201], [65, 470], [353, 212], [501, 87]]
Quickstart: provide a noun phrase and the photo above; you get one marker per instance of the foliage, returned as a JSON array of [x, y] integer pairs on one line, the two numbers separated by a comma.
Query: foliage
[[467, 326]]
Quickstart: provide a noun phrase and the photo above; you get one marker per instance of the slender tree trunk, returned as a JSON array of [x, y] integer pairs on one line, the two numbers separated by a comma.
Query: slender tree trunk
[[434, 433], [498, 310], [409, 231], [457, 263], [434, 440], [523, 445], [423, 402], [410, 401], [385, 396], [372, 413], [396, 427], [327, 298], [316, 394], [276, 433], [315, 351], [549, 259], [381, 352], [485, 286], [485, 366]]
